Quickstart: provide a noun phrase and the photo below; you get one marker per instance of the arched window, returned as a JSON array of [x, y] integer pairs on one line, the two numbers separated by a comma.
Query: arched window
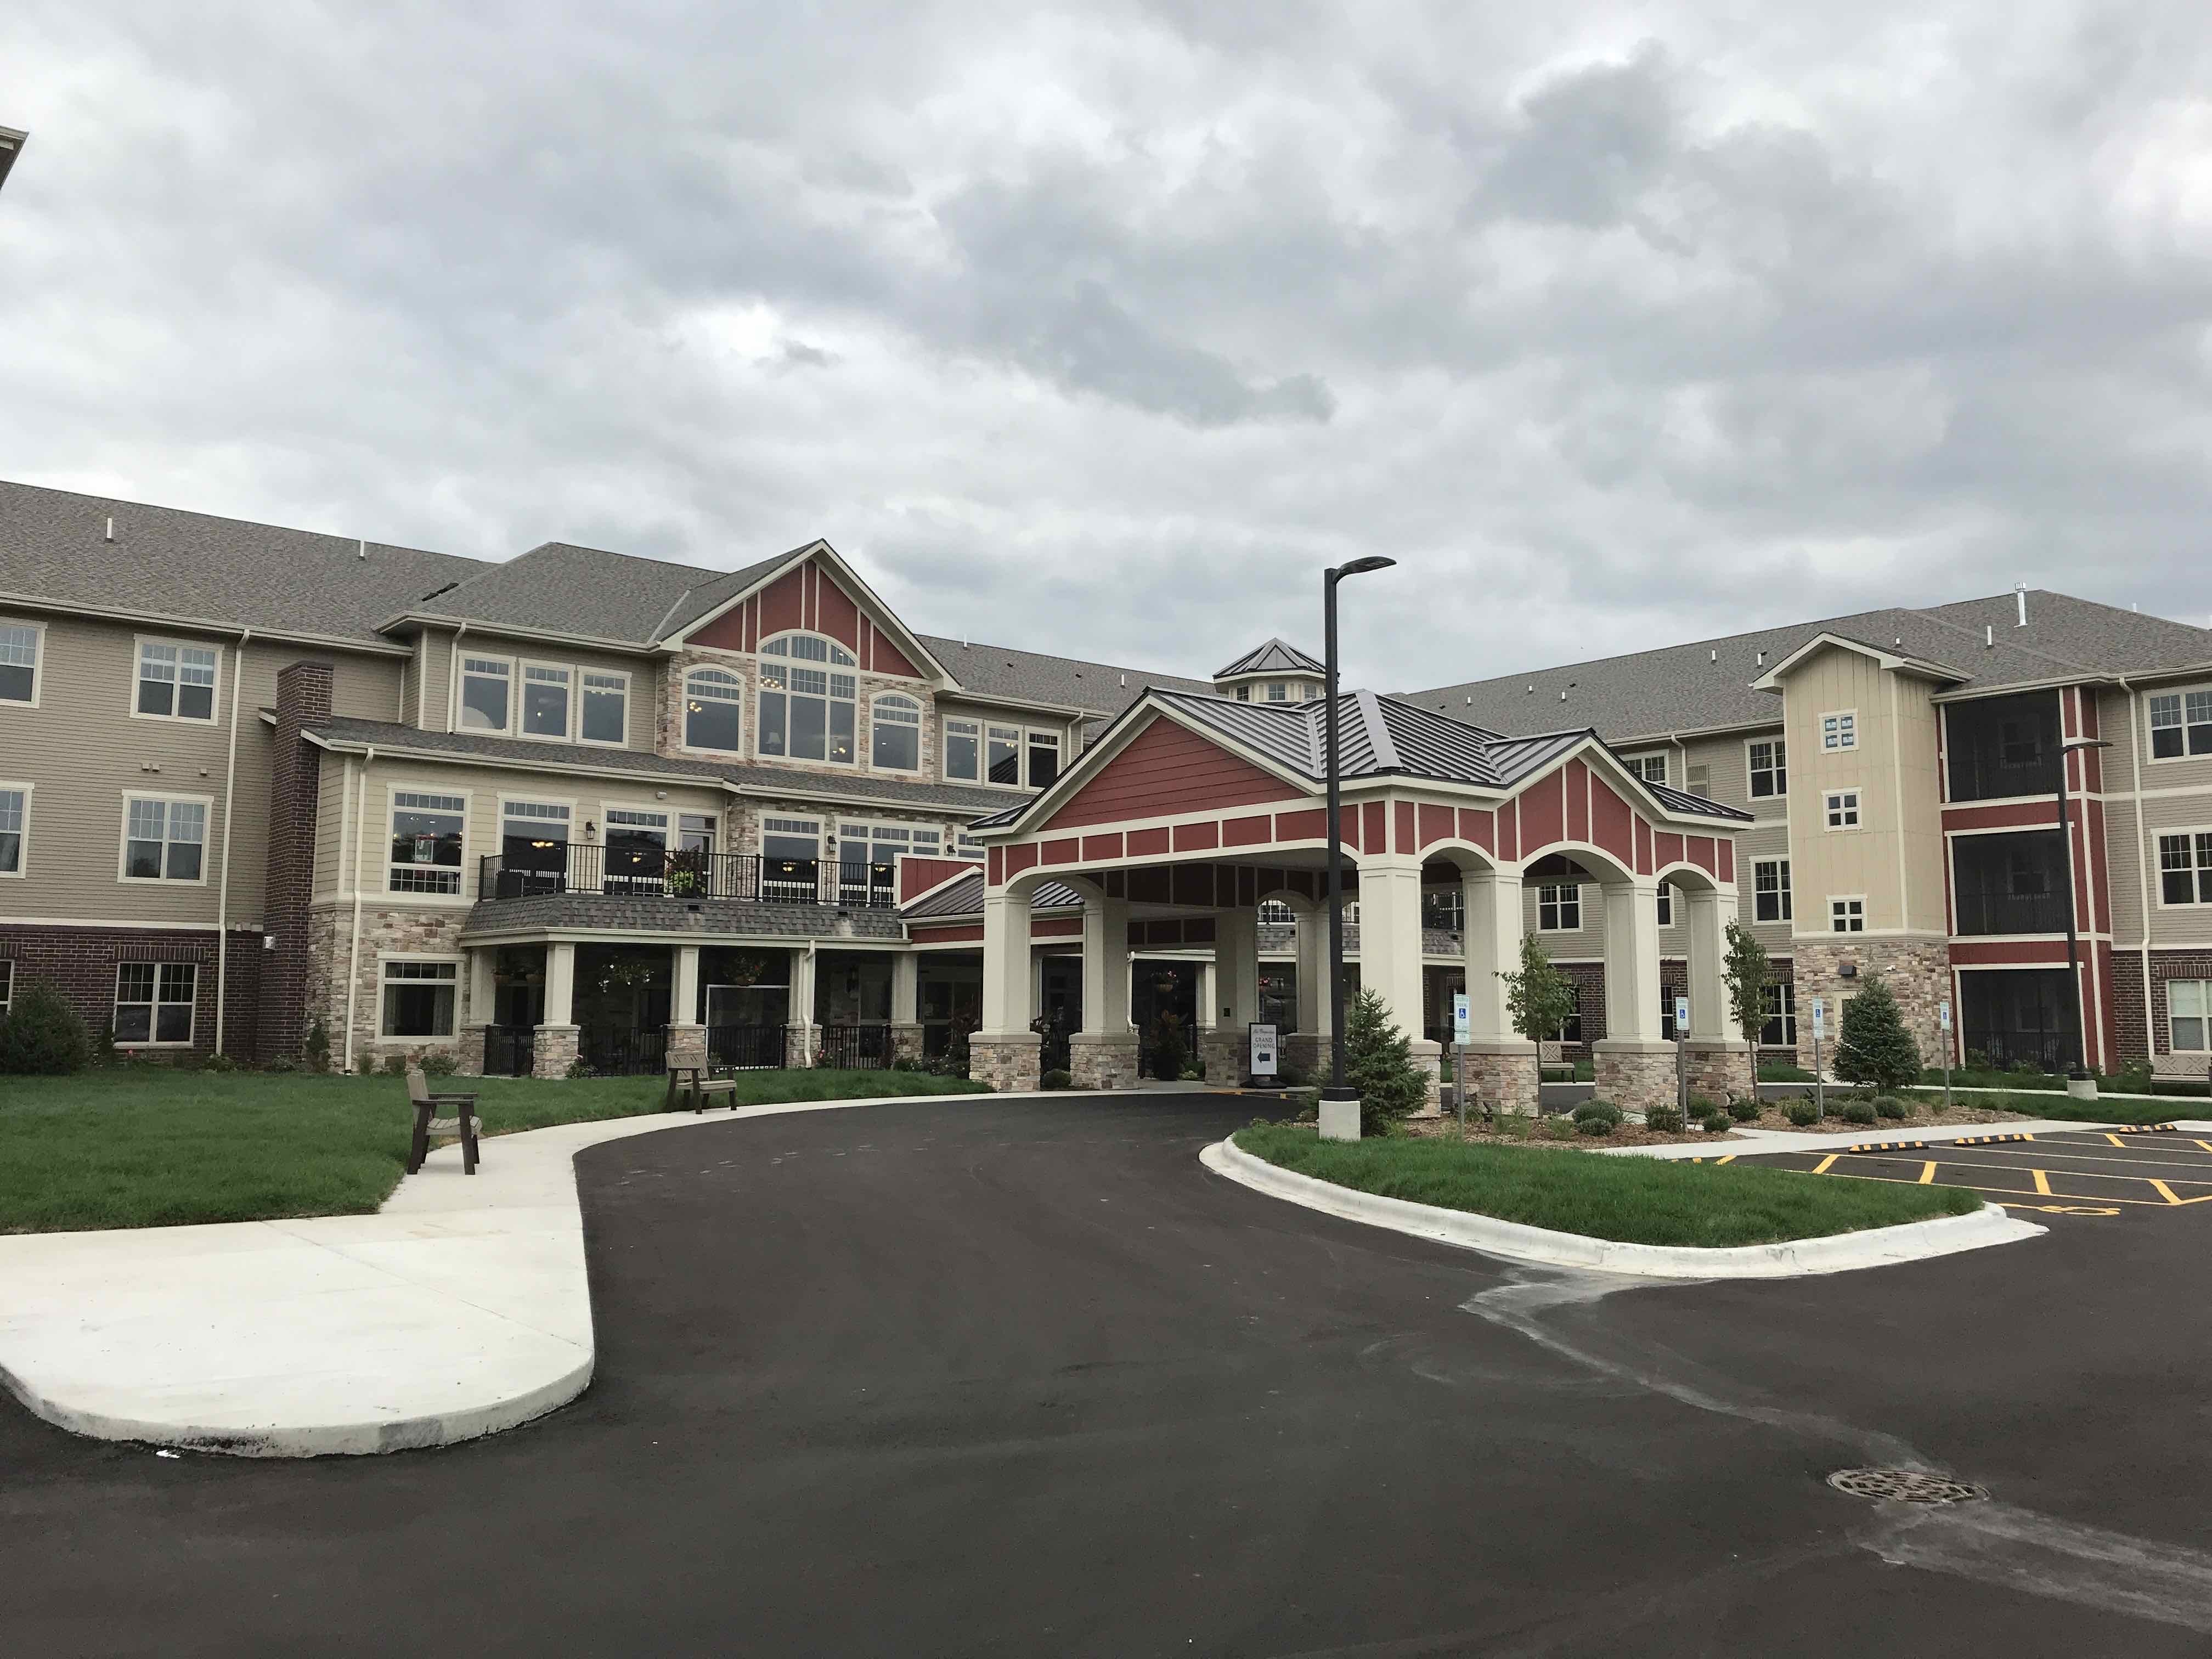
[[895, 738], [713, 710], [807, 713]]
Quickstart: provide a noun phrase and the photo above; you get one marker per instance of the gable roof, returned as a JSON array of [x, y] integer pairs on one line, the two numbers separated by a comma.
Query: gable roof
[[558, 587], [1000, 670], [1273, 657]]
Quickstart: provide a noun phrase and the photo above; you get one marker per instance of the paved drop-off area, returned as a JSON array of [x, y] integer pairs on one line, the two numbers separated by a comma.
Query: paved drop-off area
[[1021, 1378]]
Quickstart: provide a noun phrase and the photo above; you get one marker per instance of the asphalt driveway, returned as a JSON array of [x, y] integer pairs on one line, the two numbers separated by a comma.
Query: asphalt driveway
[[979, 1376]]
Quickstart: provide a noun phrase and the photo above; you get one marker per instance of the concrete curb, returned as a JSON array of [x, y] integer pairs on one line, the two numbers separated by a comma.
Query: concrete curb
[[1914, 1240], [460, 1309], [1755, 1143]]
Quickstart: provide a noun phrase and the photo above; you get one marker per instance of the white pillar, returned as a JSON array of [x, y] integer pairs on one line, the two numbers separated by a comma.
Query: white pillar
[[799, 1018], [1036, 987], [559, 985], [483, 989], [1492, 944], [1236, 969], [1313, 969], [1710, 1018], [1632, 961], [1390, 938], [1206, 980], [683, 986], [906, 988], [1106, 967], [1005, 962]]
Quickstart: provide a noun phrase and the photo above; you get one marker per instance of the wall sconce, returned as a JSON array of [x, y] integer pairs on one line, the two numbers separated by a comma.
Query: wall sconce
[[591, 829], [1848, 971], [660, 794]]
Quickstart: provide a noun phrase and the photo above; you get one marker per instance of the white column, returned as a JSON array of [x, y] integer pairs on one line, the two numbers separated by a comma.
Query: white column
[[559, 985], [483, 990], [1036, 987], [683, 986], [1236, 969], [1390, 938], [1106, 967], [1207, 980], [906, 988], [1005, 962], [1313, 969], [798, 1019], [1493, 946], [1711, 1017], [1632, 961]]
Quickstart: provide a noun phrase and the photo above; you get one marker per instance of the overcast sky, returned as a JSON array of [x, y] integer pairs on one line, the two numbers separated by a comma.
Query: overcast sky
[[1101, 330]]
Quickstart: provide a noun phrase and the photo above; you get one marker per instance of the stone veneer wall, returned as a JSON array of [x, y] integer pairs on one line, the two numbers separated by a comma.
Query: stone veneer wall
[[1009, 1064], [1638, 1078], [1102, 1062], [417, 931], [1918, 972]]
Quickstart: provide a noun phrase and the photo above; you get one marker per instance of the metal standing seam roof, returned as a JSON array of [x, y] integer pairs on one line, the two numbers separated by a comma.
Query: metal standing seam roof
[[962, 895], [1273, 656]]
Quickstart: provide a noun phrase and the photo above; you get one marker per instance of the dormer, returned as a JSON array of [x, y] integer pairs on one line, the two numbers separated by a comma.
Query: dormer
[[1275, 672]]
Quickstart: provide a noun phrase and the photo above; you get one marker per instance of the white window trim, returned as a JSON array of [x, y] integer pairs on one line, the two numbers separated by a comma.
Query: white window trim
[[1829, 809], [920, 727], [1820, 729], [745, 689], [38, 663], [1784, 889], [2149, 759], [1635, 764], [761, 688], [835, 644], [383, 891], [522, 667], [1057, 733], [23, 858], [461, 655], [460, 985], [2173, 1047], [138, 644], [123, 838], [945, 746], [1577, 887], [1781, 794], [1834, 899], [577, 694], [2155, 864], [1666, 907], [154, 1015]]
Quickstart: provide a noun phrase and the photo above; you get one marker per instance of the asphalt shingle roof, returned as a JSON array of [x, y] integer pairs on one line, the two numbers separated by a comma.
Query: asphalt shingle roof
[[561, 588], [1001, 670]]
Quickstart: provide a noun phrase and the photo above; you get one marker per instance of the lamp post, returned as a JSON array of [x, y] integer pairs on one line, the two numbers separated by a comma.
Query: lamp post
[[2079, 1072], [1331, 1123]]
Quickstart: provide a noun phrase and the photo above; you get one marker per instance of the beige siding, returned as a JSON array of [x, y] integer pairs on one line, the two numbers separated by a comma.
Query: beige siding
[[1763, 841], [439, 658], [429, 703], [2194, 772], [2176, 794], [1586, 944]]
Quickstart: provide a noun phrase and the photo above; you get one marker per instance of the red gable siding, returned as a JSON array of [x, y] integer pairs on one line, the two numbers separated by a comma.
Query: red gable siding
[[1543, 814], [1575, 781], [782, 603], [919, 875], [1481, 828], [835, 614], [1167, 769], [1613, 823]]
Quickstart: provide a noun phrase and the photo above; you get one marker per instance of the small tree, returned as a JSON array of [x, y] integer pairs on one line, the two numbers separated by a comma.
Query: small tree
[[1169, 1054], [1378, 1062], [1874, 1046], [1747, 974], [42, 1034], [1539, 999], [318, 1050]]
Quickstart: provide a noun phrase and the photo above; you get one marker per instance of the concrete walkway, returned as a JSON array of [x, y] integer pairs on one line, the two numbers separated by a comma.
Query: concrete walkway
[[1750, 1143], [458, 1309]]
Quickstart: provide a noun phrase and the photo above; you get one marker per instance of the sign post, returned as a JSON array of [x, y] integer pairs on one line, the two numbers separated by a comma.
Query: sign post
[[1682, 1057], [1943, 1022], [1459, 1057], [1820, 1028]]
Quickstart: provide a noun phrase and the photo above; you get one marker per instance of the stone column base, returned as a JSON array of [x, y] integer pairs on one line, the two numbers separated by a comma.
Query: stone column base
[[553, 1050], [1502, 1077], [799, 1042], [1223, 1051], [1102, 1060], [687, 1045], [1429, 1059], [906, 1043], [469, 1058], [1719, 1068], [1634, 1076], [1310, 1053], [1008, 1060]]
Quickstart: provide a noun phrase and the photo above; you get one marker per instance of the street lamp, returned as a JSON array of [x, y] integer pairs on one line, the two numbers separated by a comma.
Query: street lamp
[[2080, 1070], [1336, 1090]]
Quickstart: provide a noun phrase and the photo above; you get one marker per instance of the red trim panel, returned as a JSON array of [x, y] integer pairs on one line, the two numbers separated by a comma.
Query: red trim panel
[[1302, 826], [1066, 849], [1248, 832], [1102, 847]]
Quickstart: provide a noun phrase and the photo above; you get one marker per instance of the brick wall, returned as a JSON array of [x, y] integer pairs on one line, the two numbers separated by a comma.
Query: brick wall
[[2147, 1031], [82, 962], [303, 698]]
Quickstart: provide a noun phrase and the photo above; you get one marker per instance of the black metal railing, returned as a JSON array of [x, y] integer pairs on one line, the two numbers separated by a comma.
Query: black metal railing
[[653, 872], [612, 1051], [1999, 910], [509, 1050], [2050, 1050], [758, 1047], [858, 1048]]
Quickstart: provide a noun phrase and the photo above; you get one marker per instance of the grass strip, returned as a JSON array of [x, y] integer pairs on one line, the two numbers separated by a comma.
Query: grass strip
[[2065, 1108], [155, 1147], [1630, 1200]]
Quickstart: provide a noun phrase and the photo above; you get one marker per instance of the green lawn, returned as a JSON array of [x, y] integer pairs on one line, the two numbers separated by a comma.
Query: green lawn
[[150, 1146], [2063, 1107], [1631, 1200]]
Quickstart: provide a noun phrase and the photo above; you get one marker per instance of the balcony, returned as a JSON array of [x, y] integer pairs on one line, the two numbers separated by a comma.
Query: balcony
[[2010, 884], [2002, 747], [652, 888]]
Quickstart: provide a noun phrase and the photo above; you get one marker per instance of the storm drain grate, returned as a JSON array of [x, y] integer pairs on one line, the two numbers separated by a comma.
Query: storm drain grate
[[1905, 1487]]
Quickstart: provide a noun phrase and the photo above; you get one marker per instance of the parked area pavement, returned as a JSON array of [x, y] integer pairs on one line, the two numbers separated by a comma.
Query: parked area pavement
[[1020, 1377]]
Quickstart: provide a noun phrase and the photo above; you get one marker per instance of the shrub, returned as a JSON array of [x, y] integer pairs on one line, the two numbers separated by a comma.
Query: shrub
[[1718, 1123], [365, 1063], [1804, 1113], [1890, 1106], [42, 1034], [906, 1063], [2026, 1068], [1604, 1110], [1561, 1128], [578, 1069], [1056, 1078], [317, 1050], [1873, 1048], [1666, 1119], [282, 1063], [1169, 1051], [1742, 1111], [1860, 1112], [1378, 1062], [221, 1063], [395, 1064], [1703, 1106], [441, 1062], [1592, 1126], [1290, 1075], [2134, 1077]]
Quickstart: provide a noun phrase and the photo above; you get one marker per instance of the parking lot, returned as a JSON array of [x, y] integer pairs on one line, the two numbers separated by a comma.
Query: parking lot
[[2075, 1173]]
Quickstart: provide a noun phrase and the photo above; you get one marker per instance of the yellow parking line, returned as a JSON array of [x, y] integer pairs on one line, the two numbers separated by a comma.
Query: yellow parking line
[[1927, 1173], [2042, 1182], [2009, 1192], [2065, 1151], [1824, 1165], [2086, 1174]]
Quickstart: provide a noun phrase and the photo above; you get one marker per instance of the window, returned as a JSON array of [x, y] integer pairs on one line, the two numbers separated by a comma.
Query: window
[[810, 647], [895, 739], [154, 1002], [163, 840], [1044, 759], [19, 661], [2002, 747], [1276, 913], [1666, 906], [1778, 1001], [968, 846], [1005, 753], [484, 693], [1277, 691], [1841, 731], [868, 856], [1770, 769], [791, 849], [1652, 768], [713, 710], [807, 713], [606, 708], [964, 742], [7, 983], [418, 998], [1244, 694], [1559, 907], [2180, 723], [1843, 809], [534, 836], [1571, 1028], [2185, 868], [2188, 1014], [1770, 890], [637, 845], [426, 841], [545, 699], [1698, 781], [14, 825], [695, 833], [1847, 915], [175, 682]]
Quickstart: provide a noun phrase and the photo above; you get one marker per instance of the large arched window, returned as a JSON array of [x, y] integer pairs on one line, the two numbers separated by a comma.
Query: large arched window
[[713, 710], [895, 735], [806, 712]]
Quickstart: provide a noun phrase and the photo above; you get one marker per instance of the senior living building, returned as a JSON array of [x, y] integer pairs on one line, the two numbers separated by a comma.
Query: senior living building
[[265, 790]]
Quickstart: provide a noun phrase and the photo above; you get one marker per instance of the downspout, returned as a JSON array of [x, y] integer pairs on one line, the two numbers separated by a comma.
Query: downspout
[[353, 954], [2142, 868], [223, 880], [453, 678]]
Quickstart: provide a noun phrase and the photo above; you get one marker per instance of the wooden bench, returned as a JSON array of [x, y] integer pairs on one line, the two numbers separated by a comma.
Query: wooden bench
[[700, 1081], [462, 1121]]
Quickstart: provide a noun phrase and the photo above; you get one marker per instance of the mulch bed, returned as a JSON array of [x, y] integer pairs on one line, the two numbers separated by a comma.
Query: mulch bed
[[1930, 1115], [1624, 1135]]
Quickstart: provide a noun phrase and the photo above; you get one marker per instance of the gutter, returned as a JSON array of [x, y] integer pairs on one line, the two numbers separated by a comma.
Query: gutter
[[506, 630], [223, 880], [2142, 857], [353, 954], [194, 625]]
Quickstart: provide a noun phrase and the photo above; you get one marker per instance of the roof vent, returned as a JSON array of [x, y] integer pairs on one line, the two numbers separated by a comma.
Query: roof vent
[[1762, 661], [361, 552], [110, 536], [1988, 636], [1716, 657], [2020, 599]]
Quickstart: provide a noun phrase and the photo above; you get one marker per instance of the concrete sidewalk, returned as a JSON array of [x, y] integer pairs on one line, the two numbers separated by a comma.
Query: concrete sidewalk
[[1750, 1143], [458, 1309]]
